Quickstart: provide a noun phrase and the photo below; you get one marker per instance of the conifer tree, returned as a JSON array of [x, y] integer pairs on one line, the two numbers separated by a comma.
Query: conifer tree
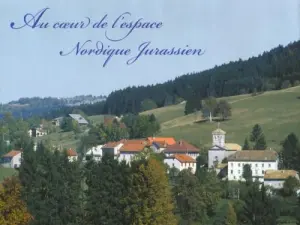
[[246, 145], [225, 214], [291, 152], [260, 143], [256, 132], [107, 191]]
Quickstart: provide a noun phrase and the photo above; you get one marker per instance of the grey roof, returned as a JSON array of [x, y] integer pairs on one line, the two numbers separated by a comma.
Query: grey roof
[[254, 155], [78, 118]]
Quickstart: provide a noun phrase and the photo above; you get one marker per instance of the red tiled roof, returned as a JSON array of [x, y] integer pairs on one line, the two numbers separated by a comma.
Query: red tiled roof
[[181, 146], [71, 152], [133, 147], [12, 153], [167, 140], [184, 158]]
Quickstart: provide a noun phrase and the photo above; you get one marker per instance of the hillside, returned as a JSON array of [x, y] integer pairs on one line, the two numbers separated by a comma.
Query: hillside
[[278, 112], [274, 69]]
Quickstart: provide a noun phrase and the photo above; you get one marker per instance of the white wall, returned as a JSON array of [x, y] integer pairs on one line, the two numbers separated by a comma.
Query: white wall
[[16, 161], [127, 156], [277, 184], [180, 166], [235, 168], [72, 158]]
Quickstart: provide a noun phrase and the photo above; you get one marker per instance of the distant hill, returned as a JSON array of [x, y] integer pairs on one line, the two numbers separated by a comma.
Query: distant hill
[[278, 112], [36, 106]]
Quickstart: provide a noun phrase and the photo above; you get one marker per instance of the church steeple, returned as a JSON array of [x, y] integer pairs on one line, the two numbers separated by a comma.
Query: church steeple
[[218, 137]]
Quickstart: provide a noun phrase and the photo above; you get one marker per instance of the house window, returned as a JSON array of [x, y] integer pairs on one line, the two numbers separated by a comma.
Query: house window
[[173, 164], [256, 165], [240, 177], [262, 165], [239, 171], [269, 165], [234, 177], [231, 171], [232, 164], [263, 172], [255, 171], [239, 165]]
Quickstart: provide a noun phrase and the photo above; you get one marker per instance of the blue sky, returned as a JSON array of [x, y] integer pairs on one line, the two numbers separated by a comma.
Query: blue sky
[[226, 29]]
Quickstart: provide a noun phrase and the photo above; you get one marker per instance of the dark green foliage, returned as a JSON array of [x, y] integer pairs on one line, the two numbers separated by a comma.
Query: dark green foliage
[[259, 209], [141, 126], [192, 105], [148, 104], [189, 197], [108, 185], [247, 173], [290, 154], [223, 109], [51, 187], [267, 71], [258, 138], [246, 145], [225, 214], [290, 185], [260, 143]]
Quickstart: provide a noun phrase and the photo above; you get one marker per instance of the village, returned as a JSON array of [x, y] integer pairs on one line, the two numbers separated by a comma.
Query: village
[[226, 159]]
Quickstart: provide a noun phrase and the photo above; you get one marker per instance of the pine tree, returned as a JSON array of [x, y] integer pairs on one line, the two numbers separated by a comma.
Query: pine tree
[[256, 133], [108, 185], [291, 152], [258, 138], [246, 145], [190, 202], [150, 197], [260, 143]]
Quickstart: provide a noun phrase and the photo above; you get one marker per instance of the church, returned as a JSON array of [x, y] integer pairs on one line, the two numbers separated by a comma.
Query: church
[[220, 149]]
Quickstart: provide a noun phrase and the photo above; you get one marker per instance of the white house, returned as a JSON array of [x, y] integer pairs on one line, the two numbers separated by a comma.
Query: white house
[[125, 149], [182, 147], [276, 178], [259, 161], [57, 121], [181, 162], [37, 132], [12, 159], [95, 153], [220, 149], [72, 155]]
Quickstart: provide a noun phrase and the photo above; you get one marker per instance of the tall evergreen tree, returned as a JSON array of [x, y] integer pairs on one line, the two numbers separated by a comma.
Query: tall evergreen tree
[[256, 133], [189, 198], [258, 138], [260, 143], [225, 214], [258, 206], [108, 185], [246, 145], [291, 152]]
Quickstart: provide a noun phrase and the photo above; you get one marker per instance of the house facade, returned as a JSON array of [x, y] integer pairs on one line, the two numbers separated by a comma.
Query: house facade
[[259, 161], [72, 155], [276, 178], [37, 132], [57, 121], [220, 149], [94, 153], [12, 159], [181, 162], [182, 147]]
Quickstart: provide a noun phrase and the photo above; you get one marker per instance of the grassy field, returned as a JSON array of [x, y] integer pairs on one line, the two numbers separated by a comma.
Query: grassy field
[[278, 112], [63, 139], [6, 172]]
